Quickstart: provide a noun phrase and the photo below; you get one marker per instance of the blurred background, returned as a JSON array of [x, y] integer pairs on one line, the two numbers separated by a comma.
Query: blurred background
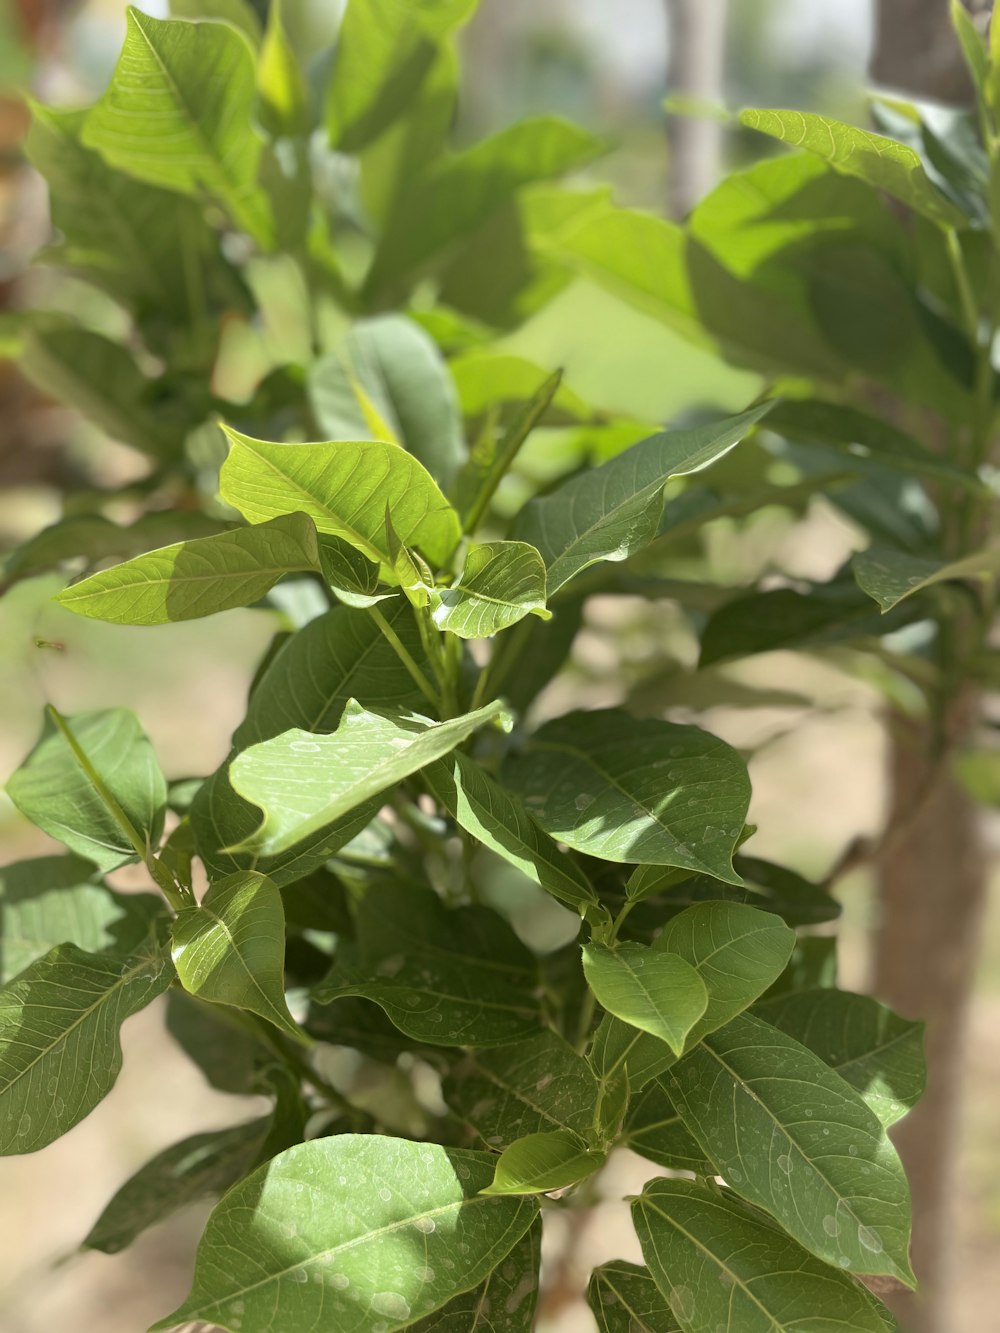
[[816, 748]]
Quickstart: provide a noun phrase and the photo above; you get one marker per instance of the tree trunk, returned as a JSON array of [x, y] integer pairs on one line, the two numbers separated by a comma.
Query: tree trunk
[[916, 49], [697, 69], [932, 892]]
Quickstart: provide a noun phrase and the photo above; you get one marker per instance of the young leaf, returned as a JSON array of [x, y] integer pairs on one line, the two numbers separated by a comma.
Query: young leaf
[[231, 948], [891, 576], [59, 900], [177, 114], [53, 790], [200, 577], [883, 163], [326, 1232], [345, 488], [198, 1167], [539, 1163], [658, 993], [501, 583], [832, 1179], [655, 1130], [239, 13], [870, 1047], [59, 1046], [351, 577], [621, 1052], [389, 373], [504, 1303], [303, 782], [736, 950], [498, 819], [281, 87], [625, 1299], [612, 511], [534, 1086], [627, 789], [721, 1264]]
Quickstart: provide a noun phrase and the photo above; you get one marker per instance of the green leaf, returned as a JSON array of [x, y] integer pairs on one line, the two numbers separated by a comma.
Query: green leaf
[[890, 576], [612, 511], [448, 978], [488, 379], [533, 1086], [883, 163], [219, 1041], [303, 781], [388, 381], [385, 49], [832, 1179], [281, 87], [202, 1166], [327, 1233], [539, 1163], [973, 46], [625, 1299], [504, 1303], [59, 900], [351, 577], [722, 1265], [626, 789], [658, 993], [100, 378], [177, 113], [239, 13], [345, 488], [501, 583], [655, 1130], [621, 1053], [231, 949], [737, 951], [59, 1047], [200, 577], [497, 818], [53, 791], [462, 191], [876, 1051]]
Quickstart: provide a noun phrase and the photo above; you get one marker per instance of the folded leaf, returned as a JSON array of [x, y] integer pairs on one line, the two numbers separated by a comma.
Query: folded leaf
[[200, 577], [612, 511], [721, 1264], [658, 993], [539, 1163], [231, 948], [626, 789], [625, 1299], [501, 583], [326, 1232], [59, 1044], [303, 782], [345, 488], [831, 1178]]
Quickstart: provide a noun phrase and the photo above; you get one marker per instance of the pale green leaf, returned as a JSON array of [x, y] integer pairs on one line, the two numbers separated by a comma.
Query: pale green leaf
[[625, 1299], [59, 900], [59, 1045], [630, 789], [612, 511], [504, 1303], [327, 1233], [972, 44], [200, 577], [890, 576], [882, 163], [533, 1086], [231, 948], [52, 790], [721, 1265], [177, 114], [501, 583], [487, 379], [873, 1049], [831, 1178], [345, 488], [621, 1053], [388, 381], [498, 819], [303, 782], [281, 86], [658, 993], [239, 13], [542, 1162]]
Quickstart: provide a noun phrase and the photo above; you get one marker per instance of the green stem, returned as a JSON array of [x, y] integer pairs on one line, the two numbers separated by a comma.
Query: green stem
[[404, 655]]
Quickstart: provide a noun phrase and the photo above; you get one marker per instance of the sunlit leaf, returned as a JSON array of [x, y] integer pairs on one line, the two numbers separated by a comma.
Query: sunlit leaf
[[658, 993], [501, 583], [504, 1303]]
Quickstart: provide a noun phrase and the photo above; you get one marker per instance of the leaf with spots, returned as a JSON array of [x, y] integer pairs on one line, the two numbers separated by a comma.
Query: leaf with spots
[[723, 1265], [625, 1299], [790, 1135], [630, 789], [359, 1233], [889, 576], [504, 1303]]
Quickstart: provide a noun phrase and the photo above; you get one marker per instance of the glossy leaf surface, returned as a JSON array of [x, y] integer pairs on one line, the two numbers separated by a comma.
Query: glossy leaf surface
[[501, 583]]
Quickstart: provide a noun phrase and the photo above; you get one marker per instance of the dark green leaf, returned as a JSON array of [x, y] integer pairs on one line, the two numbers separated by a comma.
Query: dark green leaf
[[655, 1130], [504, 1303], [625, 1299], [228, 1052]]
